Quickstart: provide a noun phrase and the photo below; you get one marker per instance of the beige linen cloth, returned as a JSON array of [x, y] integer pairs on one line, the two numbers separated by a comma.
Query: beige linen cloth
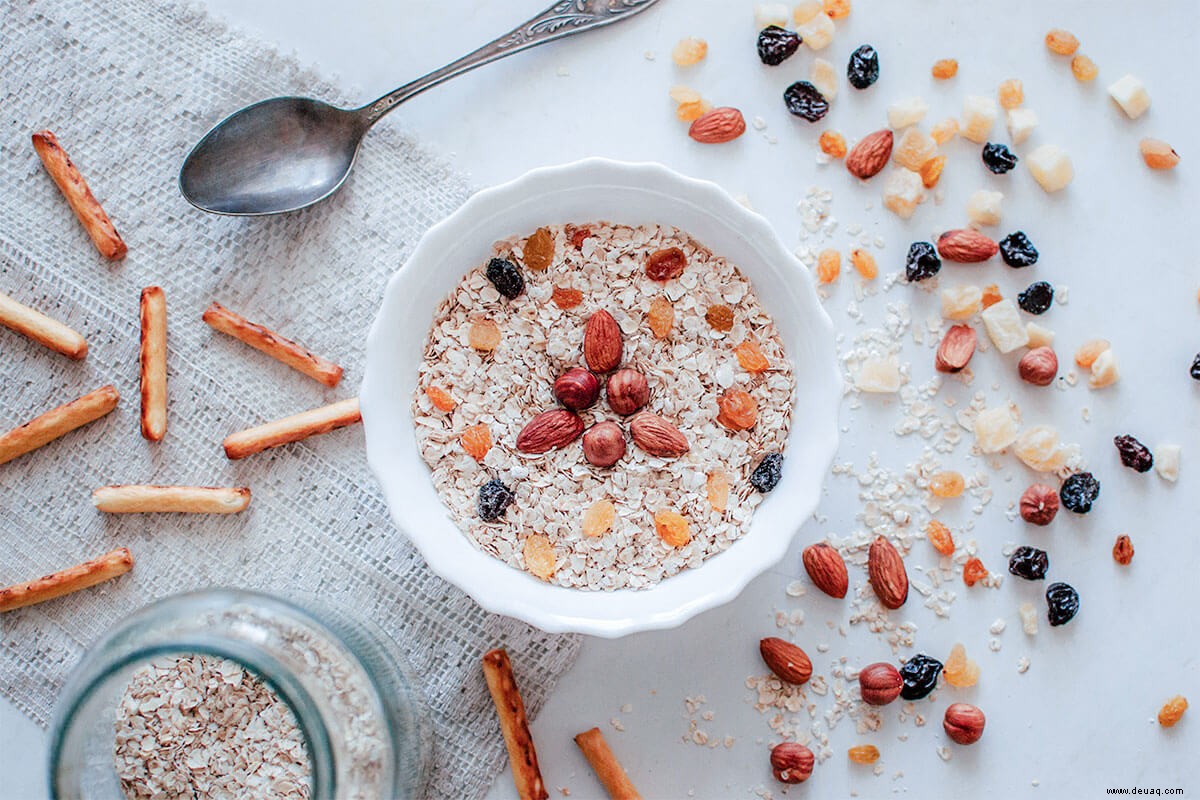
[[129, 86]]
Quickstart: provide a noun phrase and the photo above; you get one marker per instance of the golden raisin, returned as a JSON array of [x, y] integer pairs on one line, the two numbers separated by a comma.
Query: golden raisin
[[1090, 351], [717, 488], [1011, 93], [599, 517], [1083, 68], [1061, 42], [973, 571], [829, 265], [672, 528], [991, 295], [684, 94], [477, 440], [837, 9], [1172, 710], [945, 68], [1123, 550], [863, 754], [484, 335], [931, 171], [440, 398], [720, 318], [565, 297], [690, 112], [539, 250], [939, 536], [689, 51], [738, 411], [751, 357], [947, 483], [539, 556], [661, 317], [864, 263], [959, 670], [665, 264], [833, 144]]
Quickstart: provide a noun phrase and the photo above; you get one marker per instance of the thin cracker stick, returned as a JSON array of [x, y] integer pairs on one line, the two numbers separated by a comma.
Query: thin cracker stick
[[274, 345], [79, 196], [292, 429], [607, 768], [42, 329], [56, 422], [129, 499], [66, 581], [152, 363], [513, 724]]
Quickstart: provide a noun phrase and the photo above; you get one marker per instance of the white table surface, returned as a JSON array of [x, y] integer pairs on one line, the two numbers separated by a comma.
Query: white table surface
[[1080, 720]]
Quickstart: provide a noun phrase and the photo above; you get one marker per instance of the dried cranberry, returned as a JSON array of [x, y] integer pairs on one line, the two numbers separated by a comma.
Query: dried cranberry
[[922, 262], [505, 276], [1036, 299], [863, 69], [776, 44], [998, 158], [804, 101], [1017, 250], [767, 474], [1062, 603], [494, 498], [920, 675], [1134, 454], [1079, 491], [1029, 563]]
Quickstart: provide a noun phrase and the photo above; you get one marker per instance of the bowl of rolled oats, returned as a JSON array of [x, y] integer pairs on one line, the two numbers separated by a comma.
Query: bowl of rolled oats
[[601, 398]]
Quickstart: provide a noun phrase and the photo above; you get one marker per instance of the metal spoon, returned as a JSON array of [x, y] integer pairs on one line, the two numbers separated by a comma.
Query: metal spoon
[[290, 152]]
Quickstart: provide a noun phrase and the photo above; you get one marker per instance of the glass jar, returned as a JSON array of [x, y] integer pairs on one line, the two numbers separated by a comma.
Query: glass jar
[[359, 712]]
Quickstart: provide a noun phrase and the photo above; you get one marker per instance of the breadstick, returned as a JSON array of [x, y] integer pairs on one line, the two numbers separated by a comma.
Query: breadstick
[[513, 724], [292, 429], [71, 579], [177, 499], [56, 422], [274, 345], [152, 363], [78, 195], [42, 329], [607, 768]]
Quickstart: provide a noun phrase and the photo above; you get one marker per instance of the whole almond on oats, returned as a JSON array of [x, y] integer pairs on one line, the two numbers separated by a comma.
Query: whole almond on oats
[[956, 349], [657, 436], [827, 569], [966, 246], [718, 126], [786, 660], [885, 570], [602, 342], [549, 430], [879, 683], [1039, 366], [870, 155]]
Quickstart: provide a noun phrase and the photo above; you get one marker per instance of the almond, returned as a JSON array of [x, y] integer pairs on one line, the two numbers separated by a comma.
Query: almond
[[885, 569], [870, 155], [602, 342], [549, 430], [718, 126], [966, 246], [657, 436], [789, 663], [827, 569], [956, 349]]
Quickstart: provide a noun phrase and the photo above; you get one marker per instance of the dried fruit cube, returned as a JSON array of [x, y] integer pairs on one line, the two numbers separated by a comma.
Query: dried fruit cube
[[931, 171], [689, 51], [717, 489], [672, 528], [823, 76], [908, 111], [684, 94], [750, 357], [974, 571], [539, 250], [1040, 449], [690, 112], [768, 14], [829, 266], [995, 429], [832, 144], [805, 10], [1020, 123], [1011, 93], [939, 536], [817, 32], [983, 207], [719, 318], [483, 335], [477, 440], [959, 670], [837, 9], [539, 555], [978, 117], [1089, 351], [1039, 336], [944, 68], [599, 517], [1166, 461], [1083, 68], [1158, 154], [947, 483], [903, 192], [737, 410], [991, 296], [944, 131], [1029, 619], [914, 148], [1130, 94], [1172, 711], [1061, 42], [961, 302], [565, 297], [863, 754], [878, 375], [1104, 370], [661, 317], [1050, 167], [440, 398]]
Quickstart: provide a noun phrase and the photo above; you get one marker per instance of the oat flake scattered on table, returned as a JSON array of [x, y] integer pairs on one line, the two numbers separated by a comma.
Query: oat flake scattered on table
[[687, 371]]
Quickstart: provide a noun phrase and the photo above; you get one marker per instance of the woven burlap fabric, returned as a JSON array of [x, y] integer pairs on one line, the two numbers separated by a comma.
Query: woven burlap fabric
[[129, 86]]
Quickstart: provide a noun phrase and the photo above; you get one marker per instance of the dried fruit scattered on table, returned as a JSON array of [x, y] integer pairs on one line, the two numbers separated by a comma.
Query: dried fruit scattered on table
[[998, 158], [577, 388], [829, 266], [939, 536], [750, 357], [886, 573], [870, 155], [1062, 603], [922, 262], [776, 45], [983, 207], [539, 555], [737, 410], [817, 32], [789, 663], [963, 723], [690, 51], [1029, 563], [944, 68], [494, 498], [791, 762], [944, 131], [966, 246], [863, 68], [1122, 551], [956, 349], [1061, 42], [879, 683], [947, 483], [719, 318], [1039, 504], [565, 297], [1104, 370], [978, 117], [864, 264], [832, 144], [690, 112], [1028, 615], [1079, 491], [905, 112], [1089, 351], [771, 14], [604, 444], [1017, 250], [1021, 123], [824, 76], [660, 317], [803, 100], [658, 436], [1172, 711], [1051, 167], [602, 342], [1040, 449], [716, 487], [1130, 94], [960, 671], [718, 126], [440, 398], [684, 94], [1158, 154], [1036, 298], [1195, 370], [914, 148], [768, 473], [990, 296], [672, 528], [665, 264], [863, 754], [1038, 336], [879, 375], [995, 429], [1083, 68], [483, 335], [920, 676], [837, 9], [538, 252], [1010, 93], [931, 171], [627, 391], [505, 276], [549, 430], [1039, 366], [1134, 454], [827, 569], [599, 517], [974, 571], [476, 441]]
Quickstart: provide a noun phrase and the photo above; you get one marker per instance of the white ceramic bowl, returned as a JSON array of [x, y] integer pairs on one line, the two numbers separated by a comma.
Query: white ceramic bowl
[[597, 189]]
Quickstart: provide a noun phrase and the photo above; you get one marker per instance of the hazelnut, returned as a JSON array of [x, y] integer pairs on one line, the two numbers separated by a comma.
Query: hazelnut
[[577, 388], [963, 723], [1039, 366], [1039, 504], [604, 444], [791, 762], [627, 391], [879, 683]]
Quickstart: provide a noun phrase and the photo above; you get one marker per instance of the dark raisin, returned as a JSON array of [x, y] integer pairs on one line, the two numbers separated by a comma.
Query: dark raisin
[[1134, 454], [1029, 563], [1036, 299], [1063, 603], [1017, 250], [1196, 367], [863, 69], [998, 158], [768, 472], [803, 100], [776, 44], [920, 675], [922, 262], [494, 498], [505, 276], [1079, 491]]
